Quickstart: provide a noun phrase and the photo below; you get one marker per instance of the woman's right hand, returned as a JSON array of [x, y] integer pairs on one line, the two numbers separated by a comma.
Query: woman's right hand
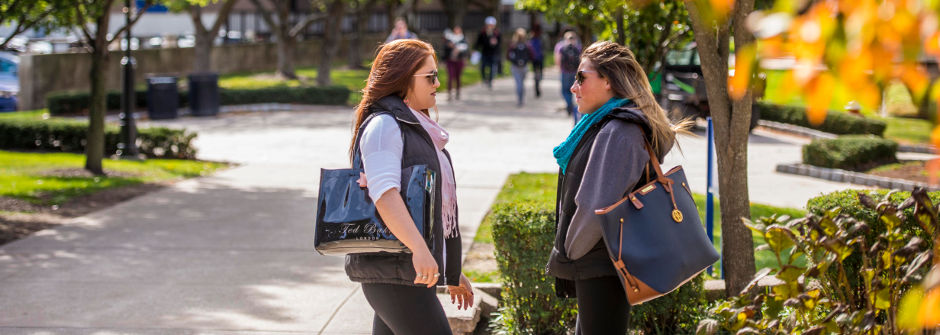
[[425, 267]]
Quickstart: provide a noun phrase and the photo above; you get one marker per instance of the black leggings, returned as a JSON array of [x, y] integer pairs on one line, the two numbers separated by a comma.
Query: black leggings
[[401, 309], [602, 306]]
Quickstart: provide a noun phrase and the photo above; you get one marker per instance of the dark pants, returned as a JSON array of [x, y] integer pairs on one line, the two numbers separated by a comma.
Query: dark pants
[[454, 70], [537, 67], [488, 68], [567, 80], [401, 310], [602, 306]]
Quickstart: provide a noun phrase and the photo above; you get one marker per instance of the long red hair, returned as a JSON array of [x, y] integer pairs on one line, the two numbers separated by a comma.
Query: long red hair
[[392, 73]]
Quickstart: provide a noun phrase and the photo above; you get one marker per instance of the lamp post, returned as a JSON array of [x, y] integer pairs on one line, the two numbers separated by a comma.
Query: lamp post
[[128, 146]]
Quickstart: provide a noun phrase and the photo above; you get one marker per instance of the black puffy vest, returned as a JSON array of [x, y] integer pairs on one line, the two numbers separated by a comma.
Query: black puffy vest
[[388, 268]]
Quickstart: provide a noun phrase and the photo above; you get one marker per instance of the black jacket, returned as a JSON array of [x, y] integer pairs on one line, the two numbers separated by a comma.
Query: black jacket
[[388, 268], [596, 263]]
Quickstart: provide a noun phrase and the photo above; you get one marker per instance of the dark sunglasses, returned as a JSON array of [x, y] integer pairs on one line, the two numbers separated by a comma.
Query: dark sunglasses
[[579, 77], [432, 77]]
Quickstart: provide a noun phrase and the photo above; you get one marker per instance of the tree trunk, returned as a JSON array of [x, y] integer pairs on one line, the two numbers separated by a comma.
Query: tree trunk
[[285, 54], [94, 146], [202, 50], [621, 32], [731, 120], [331, 36], [455, 11], [363, 13]]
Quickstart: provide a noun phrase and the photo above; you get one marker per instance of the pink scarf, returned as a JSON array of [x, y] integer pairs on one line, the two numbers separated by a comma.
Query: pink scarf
[[449, 187]]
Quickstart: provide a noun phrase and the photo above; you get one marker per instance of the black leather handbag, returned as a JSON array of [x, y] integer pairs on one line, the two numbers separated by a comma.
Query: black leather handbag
[[347, 221], [655, 237]]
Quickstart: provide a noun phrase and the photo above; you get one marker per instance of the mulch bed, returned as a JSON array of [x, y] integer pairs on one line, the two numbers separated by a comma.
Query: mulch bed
[[911, 171], [29, 218]]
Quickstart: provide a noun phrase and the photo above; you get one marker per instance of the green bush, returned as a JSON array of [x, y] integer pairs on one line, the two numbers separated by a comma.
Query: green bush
[[675, 313], [69, 136], [829, 295], [838, 123], [854, 152], [523, 235], [848, 202], [78, 103]]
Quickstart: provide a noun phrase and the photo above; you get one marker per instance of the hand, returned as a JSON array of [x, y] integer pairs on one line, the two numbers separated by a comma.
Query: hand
[[362, 180], [461, 295], [425, 267]]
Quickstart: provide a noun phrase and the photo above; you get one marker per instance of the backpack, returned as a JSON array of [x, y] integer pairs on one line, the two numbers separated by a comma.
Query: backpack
[[570, 58], [519, 55]]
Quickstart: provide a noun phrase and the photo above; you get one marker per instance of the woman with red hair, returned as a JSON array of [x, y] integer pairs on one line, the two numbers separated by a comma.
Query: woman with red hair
[[393, 130]]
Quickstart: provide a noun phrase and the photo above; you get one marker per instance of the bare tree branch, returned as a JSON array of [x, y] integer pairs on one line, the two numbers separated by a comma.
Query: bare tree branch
[[223, 16], [82, 22], [140, 12], [306, 22], [265, 14]]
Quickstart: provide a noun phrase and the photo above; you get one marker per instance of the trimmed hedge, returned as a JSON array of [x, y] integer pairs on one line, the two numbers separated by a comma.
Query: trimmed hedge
[[838, 123], [523, 235], [77, 103], [69, 136], [856, 152]]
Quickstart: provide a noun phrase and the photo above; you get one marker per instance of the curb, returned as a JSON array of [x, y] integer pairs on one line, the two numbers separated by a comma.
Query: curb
[[816, 134], [844, 176]]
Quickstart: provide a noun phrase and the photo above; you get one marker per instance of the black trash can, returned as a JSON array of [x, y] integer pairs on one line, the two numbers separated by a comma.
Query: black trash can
[[163, 99], [204, 94]]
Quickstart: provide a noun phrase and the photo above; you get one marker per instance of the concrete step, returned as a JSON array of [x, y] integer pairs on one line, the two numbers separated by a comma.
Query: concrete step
[[462, 322]]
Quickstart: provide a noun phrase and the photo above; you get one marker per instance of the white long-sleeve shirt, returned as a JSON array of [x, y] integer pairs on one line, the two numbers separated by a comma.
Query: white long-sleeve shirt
[[381, 148]]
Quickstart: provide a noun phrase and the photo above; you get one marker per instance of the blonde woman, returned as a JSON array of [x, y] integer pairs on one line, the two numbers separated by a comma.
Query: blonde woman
[[603, 157]]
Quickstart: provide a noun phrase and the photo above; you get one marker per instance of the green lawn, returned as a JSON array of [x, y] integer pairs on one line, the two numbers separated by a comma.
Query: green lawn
[[541, 187], [355, 80], [898, 103], [38, 177], [37, 114]]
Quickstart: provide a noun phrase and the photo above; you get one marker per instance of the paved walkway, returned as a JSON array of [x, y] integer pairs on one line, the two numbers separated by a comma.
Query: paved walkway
[[233, 254]]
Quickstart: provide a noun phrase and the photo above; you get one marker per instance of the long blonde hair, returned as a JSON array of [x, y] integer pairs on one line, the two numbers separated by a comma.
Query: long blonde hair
[[627, 79]]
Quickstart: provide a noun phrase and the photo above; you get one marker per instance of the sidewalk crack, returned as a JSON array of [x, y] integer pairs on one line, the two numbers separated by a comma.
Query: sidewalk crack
[[327, 324]]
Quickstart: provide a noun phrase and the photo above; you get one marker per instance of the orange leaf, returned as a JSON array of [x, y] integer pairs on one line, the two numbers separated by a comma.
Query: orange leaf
[[930, 309], [818, 95], [932, 44], [743, 66], [721, 7]]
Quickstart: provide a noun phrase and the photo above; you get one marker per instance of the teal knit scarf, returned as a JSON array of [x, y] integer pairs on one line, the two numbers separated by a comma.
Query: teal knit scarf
[[564, 150]]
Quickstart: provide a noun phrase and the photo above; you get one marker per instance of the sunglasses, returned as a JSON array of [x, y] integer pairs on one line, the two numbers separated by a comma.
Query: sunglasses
[[432, 77], [579, 77]]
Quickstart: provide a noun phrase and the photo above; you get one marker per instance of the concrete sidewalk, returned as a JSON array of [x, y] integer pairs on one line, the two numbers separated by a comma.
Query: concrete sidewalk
[[233, 253]]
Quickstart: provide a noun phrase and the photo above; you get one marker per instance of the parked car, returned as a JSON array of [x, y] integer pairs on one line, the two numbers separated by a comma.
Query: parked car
[[9, 81], [680, 86]]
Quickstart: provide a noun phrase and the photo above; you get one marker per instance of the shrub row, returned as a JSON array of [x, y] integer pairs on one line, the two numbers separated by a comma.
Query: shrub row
[[69, 136], [853, 152], [523, 235], [75, 103], [836, 122]]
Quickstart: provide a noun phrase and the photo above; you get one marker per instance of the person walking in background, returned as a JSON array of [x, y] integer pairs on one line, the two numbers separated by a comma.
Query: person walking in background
[[519, 54], [393, 131], [568, 56], [603, 158], [538, 56], [400, 31], [488, 43], [455, 51]]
